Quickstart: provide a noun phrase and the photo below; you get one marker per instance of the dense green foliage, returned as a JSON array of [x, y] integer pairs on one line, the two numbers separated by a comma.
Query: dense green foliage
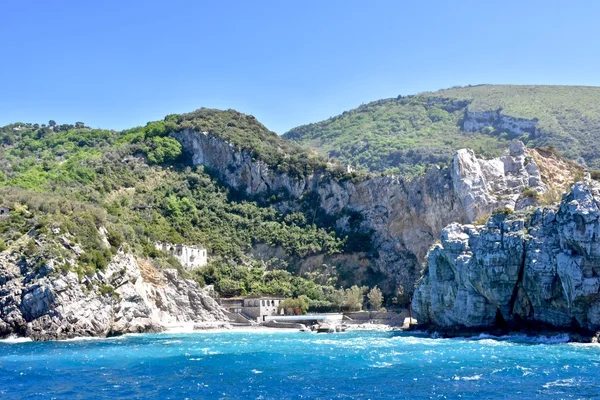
[[245, 132], [81, 188], [404, 135], [408, 134]]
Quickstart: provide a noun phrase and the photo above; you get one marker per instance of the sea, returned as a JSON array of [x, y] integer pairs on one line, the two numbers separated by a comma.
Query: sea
[[275, 364]]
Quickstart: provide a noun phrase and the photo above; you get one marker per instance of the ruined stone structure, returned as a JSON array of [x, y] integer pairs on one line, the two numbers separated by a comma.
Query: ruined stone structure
[[256, 308], [4, 212], [189, 256]]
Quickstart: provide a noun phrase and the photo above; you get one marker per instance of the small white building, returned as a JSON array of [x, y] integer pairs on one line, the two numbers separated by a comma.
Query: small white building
[[188, 256]]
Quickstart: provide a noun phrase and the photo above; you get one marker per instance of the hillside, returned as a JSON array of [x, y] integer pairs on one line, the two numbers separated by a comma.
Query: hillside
[[100, 192], [408, 134], [275, 218]]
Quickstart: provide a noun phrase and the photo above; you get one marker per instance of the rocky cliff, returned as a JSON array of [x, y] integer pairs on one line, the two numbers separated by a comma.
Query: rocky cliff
[[478, 120], [45, 302], [525, 270], [401, 218]]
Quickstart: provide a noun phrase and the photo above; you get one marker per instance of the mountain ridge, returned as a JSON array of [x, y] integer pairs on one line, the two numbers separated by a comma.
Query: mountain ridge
[[408, 134]]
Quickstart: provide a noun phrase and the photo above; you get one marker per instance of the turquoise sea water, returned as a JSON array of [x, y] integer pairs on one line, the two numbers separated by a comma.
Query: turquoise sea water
[[278, 365]]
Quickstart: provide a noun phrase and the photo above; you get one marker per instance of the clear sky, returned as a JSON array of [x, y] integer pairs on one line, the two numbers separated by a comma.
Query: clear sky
[[120, 63]]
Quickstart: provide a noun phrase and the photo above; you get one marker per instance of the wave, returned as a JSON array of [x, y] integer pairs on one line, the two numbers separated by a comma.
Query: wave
[[15, 340], [522, 338], [467, 378], [511, 338]]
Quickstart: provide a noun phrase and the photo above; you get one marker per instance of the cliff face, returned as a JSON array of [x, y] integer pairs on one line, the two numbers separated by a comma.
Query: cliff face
[[402, 217], [476, 121], [518, 270], [44, 303]]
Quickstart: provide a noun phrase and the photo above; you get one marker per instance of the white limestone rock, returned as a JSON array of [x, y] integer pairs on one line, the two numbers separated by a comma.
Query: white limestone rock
[[544, 271], [45, 304]]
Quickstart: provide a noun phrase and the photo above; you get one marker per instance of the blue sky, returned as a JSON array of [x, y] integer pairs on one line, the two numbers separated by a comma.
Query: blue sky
[[119, 64]]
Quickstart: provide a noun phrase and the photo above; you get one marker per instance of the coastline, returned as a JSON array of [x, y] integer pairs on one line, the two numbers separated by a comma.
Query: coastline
[[574, 335], [547, 336]]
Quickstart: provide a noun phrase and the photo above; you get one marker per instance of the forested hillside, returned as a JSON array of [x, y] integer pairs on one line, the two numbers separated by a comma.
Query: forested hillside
[[407, 134], [67, 184]]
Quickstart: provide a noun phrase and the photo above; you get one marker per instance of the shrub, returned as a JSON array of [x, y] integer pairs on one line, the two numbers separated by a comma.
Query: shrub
[[164, 149], [530, 193], [503, 211], [106, 289], [482, 219], [115, 238]]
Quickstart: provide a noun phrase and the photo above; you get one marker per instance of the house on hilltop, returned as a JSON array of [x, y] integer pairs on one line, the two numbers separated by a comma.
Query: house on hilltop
[[189, 256]]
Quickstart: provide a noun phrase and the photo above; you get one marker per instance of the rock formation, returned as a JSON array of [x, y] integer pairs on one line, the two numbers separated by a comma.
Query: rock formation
[[532, 269], [402, 217], [46, 303], [478, 120]]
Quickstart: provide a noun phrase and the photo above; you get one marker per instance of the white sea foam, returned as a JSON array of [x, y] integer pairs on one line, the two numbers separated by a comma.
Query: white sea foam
[[15, 340], [561, 383], [467, 378], [381, 365], [172, 342], [520, 338]]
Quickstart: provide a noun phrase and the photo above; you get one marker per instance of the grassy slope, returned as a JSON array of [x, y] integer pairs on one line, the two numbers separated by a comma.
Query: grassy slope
[[408, 134]]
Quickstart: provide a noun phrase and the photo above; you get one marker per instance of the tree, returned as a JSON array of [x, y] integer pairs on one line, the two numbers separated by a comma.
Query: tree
[[164, 149], [79, 125], [52, 123], [295, 306], [375, 298], [354, 298]]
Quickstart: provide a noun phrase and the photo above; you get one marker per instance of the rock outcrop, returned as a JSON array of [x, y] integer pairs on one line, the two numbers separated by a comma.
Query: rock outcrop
[[401, 217], [535, 269], [46, 303], [485, 185], [478, 120]]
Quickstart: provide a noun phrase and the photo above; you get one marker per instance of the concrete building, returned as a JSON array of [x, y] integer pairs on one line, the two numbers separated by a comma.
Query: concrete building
[[253, 308], [189, 256], [4, 211]]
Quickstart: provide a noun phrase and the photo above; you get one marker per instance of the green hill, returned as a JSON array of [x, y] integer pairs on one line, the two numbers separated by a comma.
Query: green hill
[[70, 183], [408, 134]]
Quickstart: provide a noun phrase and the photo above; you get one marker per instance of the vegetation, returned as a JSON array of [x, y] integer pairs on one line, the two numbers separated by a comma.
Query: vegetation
[[246, 133], [354, 298], [78, 195], [406, 135], [375, 298], [295, 306]]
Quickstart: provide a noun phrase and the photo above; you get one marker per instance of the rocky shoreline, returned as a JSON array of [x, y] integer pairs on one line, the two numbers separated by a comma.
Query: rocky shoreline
[[48, 303]]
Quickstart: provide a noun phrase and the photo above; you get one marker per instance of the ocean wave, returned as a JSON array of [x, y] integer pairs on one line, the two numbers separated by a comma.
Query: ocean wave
[[15, 340], [561, 383], [521, 338], [467, 378]]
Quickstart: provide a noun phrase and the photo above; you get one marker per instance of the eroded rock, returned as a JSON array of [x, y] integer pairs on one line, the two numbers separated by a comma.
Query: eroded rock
[[527, 270], [50, 305]]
